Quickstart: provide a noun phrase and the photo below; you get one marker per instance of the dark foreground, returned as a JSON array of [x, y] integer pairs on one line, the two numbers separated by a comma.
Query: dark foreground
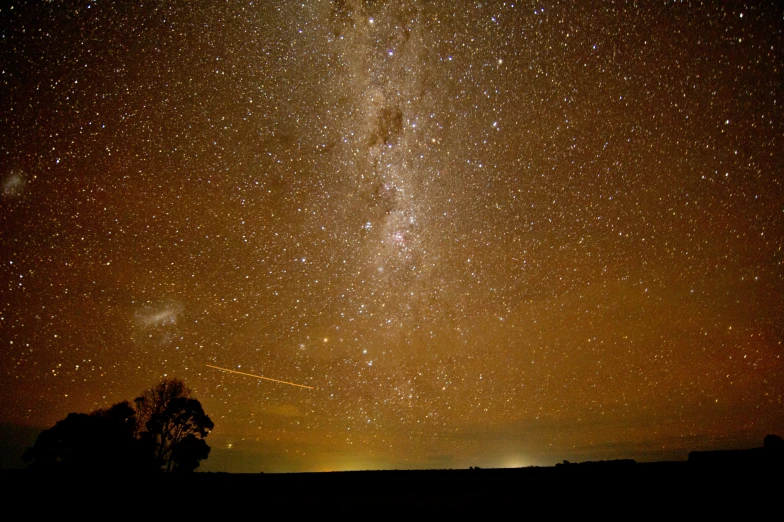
[[615, 486]]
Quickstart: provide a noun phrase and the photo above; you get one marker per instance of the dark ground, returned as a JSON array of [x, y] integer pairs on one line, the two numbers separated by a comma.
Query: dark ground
[[696, 487]]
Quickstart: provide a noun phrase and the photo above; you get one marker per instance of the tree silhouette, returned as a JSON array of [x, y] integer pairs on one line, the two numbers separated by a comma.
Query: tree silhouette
[[100, 441], [173, 419], [187, 454], [154, 400], [165, 430]]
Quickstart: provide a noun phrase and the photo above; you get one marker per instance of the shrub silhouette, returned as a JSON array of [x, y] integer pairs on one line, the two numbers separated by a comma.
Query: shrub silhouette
[[774, 443]]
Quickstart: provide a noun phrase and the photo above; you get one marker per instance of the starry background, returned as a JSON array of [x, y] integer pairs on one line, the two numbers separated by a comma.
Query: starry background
[[486, 233]]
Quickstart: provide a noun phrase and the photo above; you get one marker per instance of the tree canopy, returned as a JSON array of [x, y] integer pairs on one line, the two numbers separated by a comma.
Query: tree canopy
[[164, 429], [174, 424]]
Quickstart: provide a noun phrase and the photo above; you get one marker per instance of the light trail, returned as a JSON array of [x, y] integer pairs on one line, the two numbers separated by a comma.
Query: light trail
[[259, 377]]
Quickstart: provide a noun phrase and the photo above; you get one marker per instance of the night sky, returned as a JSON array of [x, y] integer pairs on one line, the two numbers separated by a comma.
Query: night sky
[[485, 233]]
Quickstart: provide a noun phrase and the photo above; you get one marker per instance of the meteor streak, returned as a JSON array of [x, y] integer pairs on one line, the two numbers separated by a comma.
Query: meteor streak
[[258, 376]]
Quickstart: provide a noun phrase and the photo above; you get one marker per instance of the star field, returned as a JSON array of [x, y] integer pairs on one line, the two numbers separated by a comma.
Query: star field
[[485, 233]]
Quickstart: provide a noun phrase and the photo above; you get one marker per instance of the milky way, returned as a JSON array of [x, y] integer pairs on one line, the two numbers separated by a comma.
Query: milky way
[[485, 233]]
